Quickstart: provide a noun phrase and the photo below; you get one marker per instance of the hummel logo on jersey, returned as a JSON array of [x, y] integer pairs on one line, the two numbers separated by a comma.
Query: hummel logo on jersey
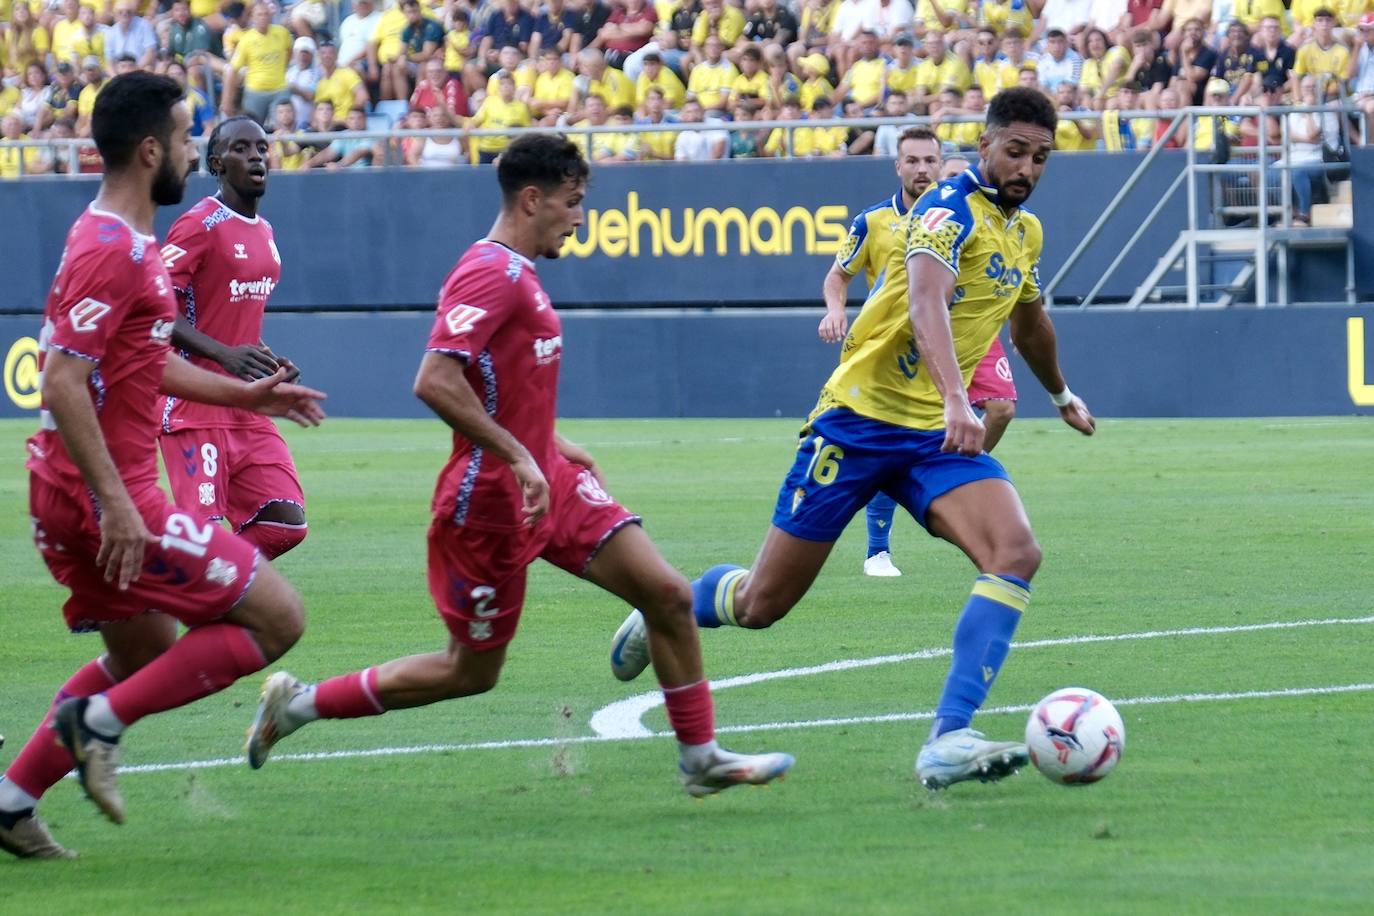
[[162, 330], [86, 314], [461, 318], [240, 251], [243, 289], [933, 218]]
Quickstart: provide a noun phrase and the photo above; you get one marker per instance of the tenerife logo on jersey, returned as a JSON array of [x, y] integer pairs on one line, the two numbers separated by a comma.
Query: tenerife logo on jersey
[[256, 289], [546, 351], [590, 489]]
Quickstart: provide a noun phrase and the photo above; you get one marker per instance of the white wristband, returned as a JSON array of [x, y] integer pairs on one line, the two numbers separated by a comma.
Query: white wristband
[[1063, 398]]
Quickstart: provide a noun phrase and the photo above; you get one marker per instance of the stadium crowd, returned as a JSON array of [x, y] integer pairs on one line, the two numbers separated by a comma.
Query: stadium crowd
[[318, 66]]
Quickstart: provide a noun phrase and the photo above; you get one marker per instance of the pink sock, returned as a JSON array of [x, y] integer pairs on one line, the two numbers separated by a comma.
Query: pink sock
[[273, 538], [204, 661], [349, 696], [44, 761], [691, 712]]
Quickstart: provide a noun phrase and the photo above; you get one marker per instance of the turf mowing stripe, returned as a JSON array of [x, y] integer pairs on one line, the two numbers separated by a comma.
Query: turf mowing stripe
[[221, 762], [622, 718]]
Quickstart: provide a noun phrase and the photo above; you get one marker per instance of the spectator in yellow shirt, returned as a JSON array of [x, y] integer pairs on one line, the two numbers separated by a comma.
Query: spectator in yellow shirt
[[1104, 68], [553, 88], [94, 78], [863, 82], [503, 110], [594, 115], [25, 41], [92, 40], [656, 76], [1323, 56], [658, 144], [901, 72], [752, 80], [1073, 135], [68, 33], [828, 142], [782, 142], [285, 155], [17, 161], [941, 68], [522, 71], [341, 87], [611, 84], [814, 68], [719, 20], [619, 146], [963, 134], [711, 79], [262, 55]]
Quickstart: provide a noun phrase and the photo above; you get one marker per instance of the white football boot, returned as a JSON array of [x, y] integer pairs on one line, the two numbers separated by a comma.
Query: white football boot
[[966, 754]]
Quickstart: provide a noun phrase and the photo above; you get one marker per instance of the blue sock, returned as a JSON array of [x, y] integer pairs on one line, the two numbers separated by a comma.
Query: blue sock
[[982, 639], [713, 595], [881, 509]]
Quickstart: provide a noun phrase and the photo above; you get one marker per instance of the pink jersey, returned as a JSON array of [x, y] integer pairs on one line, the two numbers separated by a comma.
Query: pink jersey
[[111, 303], [496, 318], [223, 267]]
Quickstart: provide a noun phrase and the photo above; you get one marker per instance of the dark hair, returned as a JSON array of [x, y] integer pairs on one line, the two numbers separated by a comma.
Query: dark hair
[[752, 52], [129, 109], [1323, 13], [212, 146], [1021, 105], [543, 160], [917, 133]]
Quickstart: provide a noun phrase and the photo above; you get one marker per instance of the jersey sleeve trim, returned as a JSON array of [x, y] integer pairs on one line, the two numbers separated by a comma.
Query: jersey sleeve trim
[[934, 254], [463, 356], [77, 353]]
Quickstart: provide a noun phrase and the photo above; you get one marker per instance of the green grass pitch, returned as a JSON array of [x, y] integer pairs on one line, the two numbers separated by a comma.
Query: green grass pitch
[[1243, 805]]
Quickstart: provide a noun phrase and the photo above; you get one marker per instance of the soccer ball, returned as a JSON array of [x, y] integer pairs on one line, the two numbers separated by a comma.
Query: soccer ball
[[1075, 736]]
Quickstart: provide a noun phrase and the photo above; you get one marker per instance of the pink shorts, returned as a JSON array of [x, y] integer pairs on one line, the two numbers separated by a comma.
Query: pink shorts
[[477, 577], [230, 474], [992, 377], [196, 574]]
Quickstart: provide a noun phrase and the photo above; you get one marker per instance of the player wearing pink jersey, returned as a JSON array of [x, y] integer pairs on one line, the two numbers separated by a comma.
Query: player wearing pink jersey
[[514, 491], [232, 464], [135, 564]]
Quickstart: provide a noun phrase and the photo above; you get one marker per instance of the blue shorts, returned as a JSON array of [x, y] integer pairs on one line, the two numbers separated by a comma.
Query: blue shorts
[[845, 459]]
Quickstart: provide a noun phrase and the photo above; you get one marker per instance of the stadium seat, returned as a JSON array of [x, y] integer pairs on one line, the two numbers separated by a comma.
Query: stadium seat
[[394, 110]]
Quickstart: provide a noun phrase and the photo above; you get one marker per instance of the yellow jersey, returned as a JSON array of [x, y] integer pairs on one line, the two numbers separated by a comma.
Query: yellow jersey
[[756, 85], [339, 89], [710, 83], [265, 55], [1251, 12], [659, 144], [85, 102], [950, 72], [524, 77], [729, 27], [899, 80], [495, 114], [811, 90], [667, 82], [554, 87], [455, 43], [1001, 16], [925, 11], [872, 237], [67, 36], [994, 257], [964, 134], [615, 89], [1313, 59], [1094, 72], [866, 80]]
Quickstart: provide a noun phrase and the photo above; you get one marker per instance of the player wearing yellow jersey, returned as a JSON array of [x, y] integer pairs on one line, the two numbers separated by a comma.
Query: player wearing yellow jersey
[[894, 418], [872, 238]]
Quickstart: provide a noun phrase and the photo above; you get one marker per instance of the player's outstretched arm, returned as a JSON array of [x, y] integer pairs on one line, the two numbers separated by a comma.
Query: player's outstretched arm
[[246, 362], [835, 324], [444, 388], [930, 285], [1032, 332], [67, 396], [271, 396]]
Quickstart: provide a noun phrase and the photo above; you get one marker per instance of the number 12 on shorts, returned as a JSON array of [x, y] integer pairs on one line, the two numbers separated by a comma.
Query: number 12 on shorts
[[825, 462]]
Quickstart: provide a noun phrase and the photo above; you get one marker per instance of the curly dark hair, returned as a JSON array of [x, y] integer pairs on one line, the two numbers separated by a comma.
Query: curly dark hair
[[1021, 105], [544, 160]]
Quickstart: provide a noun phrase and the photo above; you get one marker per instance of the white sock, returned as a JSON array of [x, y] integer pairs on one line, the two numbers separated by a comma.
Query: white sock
[[13, 798], [697, 756], [300, 709], [100, 717]]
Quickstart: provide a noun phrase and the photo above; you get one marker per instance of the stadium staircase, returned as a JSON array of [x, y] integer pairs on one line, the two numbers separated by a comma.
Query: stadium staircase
[[1238, 244]]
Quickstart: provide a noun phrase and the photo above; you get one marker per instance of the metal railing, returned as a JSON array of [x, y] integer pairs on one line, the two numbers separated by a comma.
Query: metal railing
[[1270, 162]]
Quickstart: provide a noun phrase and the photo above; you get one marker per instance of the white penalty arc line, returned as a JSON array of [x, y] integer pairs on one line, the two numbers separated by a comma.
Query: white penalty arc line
[[223, 762], [621, 719]]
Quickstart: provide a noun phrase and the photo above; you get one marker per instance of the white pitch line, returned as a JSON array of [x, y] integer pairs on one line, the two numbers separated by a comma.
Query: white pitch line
[[221, 762], [621, 719]]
